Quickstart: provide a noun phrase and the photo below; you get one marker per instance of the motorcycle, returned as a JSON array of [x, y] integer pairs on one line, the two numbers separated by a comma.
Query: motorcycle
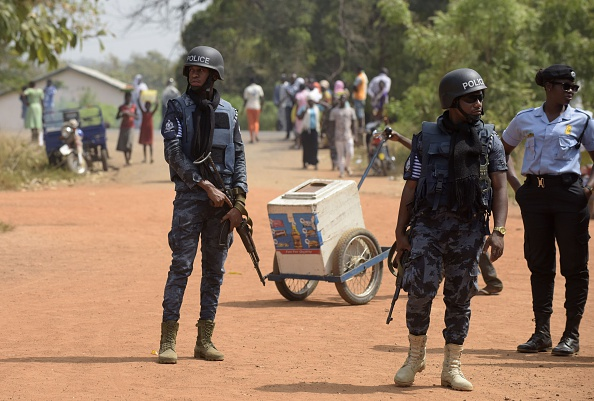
[[71, 152], [384, 162]]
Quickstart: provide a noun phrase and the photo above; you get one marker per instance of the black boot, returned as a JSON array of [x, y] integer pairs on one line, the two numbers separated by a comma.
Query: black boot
[[541, 339], [570, 341]]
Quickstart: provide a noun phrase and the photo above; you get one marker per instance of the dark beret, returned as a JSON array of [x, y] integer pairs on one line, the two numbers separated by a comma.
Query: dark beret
[[555, 71]]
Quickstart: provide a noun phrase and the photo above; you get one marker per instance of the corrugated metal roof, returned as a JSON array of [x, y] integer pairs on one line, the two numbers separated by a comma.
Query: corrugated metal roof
[[90, 72], [85, 71]]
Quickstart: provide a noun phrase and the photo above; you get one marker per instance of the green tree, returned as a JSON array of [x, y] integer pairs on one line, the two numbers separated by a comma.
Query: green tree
[[41, 30], [506, 43]]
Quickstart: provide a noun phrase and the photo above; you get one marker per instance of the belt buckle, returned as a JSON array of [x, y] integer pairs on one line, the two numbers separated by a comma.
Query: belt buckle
[[541, 183]]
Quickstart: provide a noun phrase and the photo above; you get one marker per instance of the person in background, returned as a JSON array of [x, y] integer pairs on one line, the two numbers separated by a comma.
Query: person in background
[[554, 204], [23, 100], [128, 113], [378, 101], [170, 92], [374, 87], [34, 115], [287, 98], [198, 125], [344, 122], [310, 117], [146, 128], [48, 95], [359, 97], [138, 87], [253, 100], [300, 103], [276, 99], [442, 220]]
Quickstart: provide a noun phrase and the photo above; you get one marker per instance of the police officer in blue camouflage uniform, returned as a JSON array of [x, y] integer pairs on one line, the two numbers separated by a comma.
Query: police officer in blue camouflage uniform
[[455, 176], [553, 201], [198, 125]]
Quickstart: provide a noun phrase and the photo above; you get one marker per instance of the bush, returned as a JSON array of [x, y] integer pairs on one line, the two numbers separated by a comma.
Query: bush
[[23, 163]]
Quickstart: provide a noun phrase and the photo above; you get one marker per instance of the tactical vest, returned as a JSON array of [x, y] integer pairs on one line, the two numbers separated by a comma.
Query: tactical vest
[[223, 148], [432, 188]]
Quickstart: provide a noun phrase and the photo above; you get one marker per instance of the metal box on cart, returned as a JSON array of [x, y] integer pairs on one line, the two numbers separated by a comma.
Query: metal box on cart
[[307, 222], [319, 235]]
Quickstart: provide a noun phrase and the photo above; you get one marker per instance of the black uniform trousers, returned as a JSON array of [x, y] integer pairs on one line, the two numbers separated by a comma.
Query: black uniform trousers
[[554, 208]]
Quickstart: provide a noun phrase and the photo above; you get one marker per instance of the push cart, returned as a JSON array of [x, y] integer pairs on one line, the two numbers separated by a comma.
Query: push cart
[[319, 235]]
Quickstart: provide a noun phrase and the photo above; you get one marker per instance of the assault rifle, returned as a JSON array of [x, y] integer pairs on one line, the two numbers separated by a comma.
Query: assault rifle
[[244, 229], [399, 273]]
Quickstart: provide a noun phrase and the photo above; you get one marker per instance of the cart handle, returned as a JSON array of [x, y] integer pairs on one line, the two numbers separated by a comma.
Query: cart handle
[[386, 134]]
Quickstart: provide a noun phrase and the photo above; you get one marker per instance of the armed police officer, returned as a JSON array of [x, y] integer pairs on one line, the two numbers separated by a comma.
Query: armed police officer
[[200, 126], [455, 176]]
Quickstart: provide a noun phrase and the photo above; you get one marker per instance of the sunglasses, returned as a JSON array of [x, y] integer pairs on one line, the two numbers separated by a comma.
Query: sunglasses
[[471, 99], [567, 86]]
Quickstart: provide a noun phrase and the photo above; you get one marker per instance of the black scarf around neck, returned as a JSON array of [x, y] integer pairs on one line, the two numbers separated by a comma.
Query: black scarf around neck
[[464, 163], [204, 120]]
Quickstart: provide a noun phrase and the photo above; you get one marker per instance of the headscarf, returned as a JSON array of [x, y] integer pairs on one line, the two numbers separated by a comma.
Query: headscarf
[[203, 117]]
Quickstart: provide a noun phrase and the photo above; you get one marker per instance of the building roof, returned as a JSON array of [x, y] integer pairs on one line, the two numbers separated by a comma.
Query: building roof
[[90, 72], [116, 83]]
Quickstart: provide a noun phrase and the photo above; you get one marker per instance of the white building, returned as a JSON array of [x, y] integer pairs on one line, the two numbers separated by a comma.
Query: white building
[[75, 83]]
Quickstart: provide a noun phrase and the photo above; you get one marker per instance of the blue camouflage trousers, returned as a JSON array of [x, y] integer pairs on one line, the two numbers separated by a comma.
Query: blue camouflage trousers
[[193, 220], [443, 244]]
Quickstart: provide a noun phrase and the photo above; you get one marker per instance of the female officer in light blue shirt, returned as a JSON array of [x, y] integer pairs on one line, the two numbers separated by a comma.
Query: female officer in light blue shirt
[[554, 203]]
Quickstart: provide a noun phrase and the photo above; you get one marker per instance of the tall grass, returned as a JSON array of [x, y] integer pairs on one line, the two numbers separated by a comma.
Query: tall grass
[[23, 163]]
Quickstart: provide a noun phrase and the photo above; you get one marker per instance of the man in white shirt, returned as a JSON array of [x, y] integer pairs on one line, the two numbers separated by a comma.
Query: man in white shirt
[[374, 85], [253, 98]]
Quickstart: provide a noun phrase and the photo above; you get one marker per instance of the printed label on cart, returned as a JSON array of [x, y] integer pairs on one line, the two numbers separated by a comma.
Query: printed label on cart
[[295, 232], [299, 251]]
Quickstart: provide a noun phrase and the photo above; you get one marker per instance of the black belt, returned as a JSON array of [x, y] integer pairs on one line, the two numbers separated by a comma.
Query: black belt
[[542, 181]]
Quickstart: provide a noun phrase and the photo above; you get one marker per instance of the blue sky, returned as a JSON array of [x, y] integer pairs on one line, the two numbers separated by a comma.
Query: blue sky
[[140, 39]]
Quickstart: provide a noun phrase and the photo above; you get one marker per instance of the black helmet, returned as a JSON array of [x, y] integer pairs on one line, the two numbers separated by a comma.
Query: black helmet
[[459, 83], [205, 56]]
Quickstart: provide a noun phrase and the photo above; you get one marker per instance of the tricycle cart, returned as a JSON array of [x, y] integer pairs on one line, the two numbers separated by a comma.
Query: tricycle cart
[[90, 121], [319, 235]]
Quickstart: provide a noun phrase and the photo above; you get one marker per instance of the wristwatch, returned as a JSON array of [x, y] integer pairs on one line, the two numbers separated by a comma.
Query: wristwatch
[[500, 230], [589, 188]]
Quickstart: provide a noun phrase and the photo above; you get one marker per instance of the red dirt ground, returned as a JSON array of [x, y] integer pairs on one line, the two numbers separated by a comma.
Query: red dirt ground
[[83, 274]]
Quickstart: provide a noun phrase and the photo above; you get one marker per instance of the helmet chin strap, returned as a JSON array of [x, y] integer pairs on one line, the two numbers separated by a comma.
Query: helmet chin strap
[[470, 118], [207, 87]]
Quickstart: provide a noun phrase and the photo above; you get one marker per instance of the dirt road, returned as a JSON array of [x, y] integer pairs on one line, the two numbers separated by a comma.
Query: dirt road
[[83, 274]]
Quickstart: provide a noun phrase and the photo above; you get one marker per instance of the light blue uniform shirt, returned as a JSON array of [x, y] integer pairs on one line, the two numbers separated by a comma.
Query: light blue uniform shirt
[[551, 147]]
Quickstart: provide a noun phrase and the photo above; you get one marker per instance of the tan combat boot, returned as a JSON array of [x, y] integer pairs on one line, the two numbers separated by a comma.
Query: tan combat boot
[[415, 362], [451, 375], [168, 336], [204, 347]]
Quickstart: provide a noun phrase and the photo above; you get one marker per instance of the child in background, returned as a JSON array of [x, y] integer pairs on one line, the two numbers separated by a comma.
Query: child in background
[[146, 128], [127, 112]]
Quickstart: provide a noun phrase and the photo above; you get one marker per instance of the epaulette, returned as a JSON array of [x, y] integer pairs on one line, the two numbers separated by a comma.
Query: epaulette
[[525, 111], [586, 112]]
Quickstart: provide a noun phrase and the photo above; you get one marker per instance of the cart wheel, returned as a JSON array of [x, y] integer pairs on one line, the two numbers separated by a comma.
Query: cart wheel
[[104, 159], [355, 247], [291, 288], [74, 166]]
